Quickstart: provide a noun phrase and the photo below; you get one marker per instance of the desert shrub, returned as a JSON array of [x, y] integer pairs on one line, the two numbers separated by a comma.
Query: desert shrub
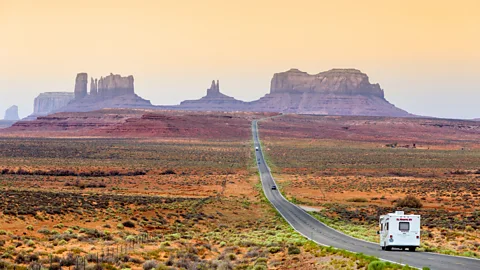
[[131, 238], [96, 173], [293, 250], [30, 227], [33, 257], [129, 224], [21, 258], [44, 231], [274, 249], [224, 266], [232, 256], [162, 266], [68, 260], [120, 226], [357, 200], [261, 264], [169, 171], [150, 264], [55, 266], [62, 242], [409, 201], [376, 265]]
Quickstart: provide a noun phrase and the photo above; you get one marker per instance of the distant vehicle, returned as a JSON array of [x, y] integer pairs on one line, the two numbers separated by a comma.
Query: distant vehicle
[[398, 230], [274, 187], [256, 148]]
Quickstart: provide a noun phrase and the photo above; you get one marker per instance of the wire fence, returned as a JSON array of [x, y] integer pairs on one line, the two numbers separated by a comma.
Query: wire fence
[[111, 255]]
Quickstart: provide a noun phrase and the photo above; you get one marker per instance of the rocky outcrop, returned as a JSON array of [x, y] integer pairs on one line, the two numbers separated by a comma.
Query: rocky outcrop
[[115, 85], [93, 87], [327, 104], [214, 89], [214, 101], [112, 91], [49, 102], [11, 114], [335, 81], [81, 85], [334, 92]]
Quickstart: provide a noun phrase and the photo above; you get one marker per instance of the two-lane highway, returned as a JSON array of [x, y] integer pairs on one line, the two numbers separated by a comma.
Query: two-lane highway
[[313, 229]]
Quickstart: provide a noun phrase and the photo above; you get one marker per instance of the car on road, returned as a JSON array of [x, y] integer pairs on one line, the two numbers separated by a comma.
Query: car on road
[[256, 148], [274, 187]]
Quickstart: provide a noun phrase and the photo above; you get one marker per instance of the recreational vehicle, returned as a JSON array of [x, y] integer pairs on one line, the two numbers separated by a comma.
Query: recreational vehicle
[[398, 230]]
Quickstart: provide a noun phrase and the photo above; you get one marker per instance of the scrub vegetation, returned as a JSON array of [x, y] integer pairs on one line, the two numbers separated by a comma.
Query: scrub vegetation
[[78, 204], [351, 176]]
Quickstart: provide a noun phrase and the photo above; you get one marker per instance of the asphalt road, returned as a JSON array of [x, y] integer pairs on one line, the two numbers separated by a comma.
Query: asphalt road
[[313, 229]]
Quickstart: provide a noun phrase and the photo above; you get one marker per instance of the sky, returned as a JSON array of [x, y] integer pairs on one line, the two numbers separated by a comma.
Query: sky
[[424, 54]]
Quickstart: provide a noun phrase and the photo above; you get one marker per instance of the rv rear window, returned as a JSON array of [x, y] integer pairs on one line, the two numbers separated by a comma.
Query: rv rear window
[[404, 226]]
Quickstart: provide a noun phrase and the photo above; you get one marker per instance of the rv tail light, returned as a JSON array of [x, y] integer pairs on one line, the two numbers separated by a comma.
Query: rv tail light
[[418, 237], [391, 236]]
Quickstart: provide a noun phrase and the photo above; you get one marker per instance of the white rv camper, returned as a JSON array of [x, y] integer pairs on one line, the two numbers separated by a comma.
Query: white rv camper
[[398, 230]]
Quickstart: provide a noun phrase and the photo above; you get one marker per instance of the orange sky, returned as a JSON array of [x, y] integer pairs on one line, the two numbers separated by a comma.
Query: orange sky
[[175, 48]]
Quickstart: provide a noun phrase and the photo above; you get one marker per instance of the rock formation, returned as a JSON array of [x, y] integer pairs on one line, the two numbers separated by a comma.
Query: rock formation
[[214, 89], [115, 85], [11, 114], [81, 85], [214, 100], [93, 87], [335, 81], [49, 102], [112, 91], [334, 92]]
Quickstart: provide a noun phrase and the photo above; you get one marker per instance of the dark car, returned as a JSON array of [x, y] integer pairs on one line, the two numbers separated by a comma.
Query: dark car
[[274, 187]]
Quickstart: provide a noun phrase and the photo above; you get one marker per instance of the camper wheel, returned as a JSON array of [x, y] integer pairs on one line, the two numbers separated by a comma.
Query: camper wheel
[[387, 248], [412, 249]]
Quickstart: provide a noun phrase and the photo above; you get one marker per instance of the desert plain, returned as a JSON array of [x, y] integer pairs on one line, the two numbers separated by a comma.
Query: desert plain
[[139, 189]]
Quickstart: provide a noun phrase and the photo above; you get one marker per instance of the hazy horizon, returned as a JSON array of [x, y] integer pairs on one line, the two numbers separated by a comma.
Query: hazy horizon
[[424, 55]]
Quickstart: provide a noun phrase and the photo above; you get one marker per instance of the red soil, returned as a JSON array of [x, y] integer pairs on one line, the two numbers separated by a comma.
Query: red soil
[[425, 131], [139, 123]]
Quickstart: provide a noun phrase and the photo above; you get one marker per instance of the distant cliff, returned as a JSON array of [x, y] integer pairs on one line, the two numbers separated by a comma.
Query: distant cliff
[[112, 91], [11, 114], [333, 92], [48, 102], [335, 81]]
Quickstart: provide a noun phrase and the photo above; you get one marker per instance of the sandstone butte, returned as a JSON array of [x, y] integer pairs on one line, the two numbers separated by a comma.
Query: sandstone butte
[[11, 114], [112, 91], [333, 92]]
